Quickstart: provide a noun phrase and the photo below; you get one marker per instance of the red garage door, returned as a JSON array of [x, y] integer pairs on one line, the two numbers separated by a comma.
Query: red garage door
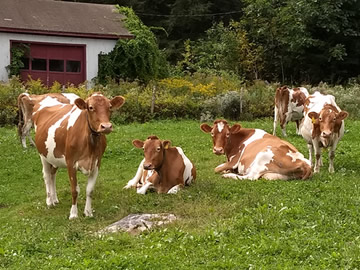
[[51, 62]]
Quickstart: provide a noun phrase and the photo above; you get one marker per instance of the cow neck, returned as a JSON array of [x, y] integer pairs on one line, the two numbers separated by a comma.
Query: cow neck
[[93, 132]]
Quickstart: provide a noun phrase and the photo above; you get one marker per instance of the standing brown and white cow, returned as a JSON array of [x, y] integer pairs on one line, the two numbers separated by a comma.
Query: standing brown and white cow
[[73, 137], [26, 103], [323, 127], [289, 106], [164, 168], [253, 154]]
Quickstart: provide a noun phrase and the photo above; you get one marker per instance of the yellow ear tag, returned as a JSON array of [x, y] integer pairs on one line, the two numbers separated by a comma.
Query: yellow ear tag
[[166, 146], [313, 120]]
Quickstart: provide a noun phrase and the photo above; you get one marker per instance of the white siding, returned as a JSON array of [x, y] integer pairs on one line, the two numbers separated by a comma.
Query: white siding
[[93, 48]]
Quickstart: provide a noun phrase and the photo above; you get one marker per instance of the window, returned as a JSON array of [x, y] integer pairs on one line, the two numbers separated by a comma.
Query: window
[[38, 64], [25, 61], [73, 66], [56, 65]]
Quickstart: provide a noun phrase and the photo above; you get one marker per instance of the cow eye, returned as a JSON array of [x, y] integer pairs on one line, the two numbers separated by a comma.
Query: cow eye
[[158, 149], [320, 119], [227, 135], [212, 134], [91, 108]]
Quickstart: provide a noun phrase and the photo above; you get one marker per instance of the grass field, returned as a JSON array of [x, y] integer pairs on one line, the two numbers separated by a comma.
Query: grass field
[[222, 223]]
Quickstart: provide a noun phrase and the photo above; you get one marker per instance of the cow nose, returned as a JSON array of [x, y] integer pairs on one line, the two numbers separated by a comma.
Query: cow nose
[[147, 166], [218, 150], [106, 127], [326, 134]]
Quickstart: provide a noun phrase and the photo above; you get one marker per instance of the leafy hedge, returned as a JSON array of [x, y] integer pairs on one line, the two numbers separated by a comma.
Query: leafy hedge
[[199, 96]]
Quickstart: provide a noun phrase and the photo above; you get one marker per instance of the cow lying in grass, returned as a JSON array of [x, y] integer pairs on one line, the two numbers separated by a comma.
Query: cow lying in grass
[[253, 154], [165, 169], [26, 103], [323, 127]]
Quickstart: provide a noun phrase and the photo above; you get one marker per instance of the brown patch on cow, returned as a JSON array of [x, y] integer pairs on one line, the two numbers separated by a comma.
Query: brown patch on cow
[[298, 97]]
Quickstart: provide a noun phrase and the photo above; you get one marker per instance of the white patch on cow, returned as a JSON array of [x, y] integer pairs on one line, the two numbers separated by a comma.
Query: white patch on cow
[[139, 173], [297, 156], [148, 175], [73, 211], [144, 188], [188, 167], [75, 113], [71, 97], [51, 144], [257, 167], [174, 189], [27, 94], [97, 95], [48, 102], [259, 134], [220, 126]]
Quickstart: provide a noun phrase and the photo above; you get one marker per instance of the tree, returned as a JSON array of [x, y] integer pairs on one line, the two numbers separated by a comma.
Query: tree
[[138, 58]]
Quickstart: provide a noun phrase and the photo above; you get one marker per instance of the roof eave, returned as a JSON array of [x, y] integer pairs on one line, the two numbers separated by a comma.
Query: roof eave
[[64, 34]]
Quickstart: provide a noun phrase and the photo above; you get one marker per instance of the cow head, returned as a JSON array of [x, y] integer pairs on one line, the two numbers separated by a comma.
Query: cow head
[[154, 151], [327, 123], [98, 109], [220, 133]]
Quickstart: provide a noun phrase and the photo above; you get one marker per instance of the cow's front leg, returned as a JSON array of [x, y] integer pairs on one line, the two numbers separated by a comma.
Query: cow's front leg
[[133, 182], [89, 189], [224, 167], [311, 153], [75, 190], [318, 160], [332, 156]]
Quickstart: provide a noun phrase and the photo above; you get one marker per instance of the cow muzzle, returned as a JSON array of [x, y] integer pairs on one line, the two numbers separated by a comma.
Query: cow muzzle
[[218, 150], [105, 128], [148, 166]]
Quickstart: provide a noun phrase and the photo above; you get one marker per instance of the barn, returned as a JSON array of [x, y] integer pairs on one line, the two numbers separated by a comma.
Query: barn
[[60, 41]]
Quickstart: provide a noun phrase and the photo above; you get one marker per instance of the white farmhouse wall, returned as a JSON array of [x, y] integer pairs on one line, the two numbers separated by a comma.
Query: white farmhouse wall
[[93, 48]]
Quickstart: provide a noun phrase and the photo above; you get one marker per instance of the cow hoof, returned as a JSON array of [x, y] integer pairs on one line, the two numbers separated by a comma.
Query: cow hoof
[[72, 217], [88, 213]]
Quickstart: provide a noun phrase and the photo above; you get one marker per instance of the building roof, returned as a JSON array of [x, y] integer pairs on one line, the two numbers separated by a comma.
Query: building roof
[[50, 17]]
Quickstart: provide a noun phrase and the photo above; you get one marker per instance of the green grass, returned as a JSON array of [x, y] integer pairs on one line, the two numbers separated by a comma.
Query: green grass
[[223, 223]]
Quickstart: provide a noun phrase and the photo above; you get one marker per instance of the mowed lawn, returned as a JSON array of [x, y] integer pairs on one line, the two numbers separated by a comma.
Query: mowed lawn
[[222, 223]]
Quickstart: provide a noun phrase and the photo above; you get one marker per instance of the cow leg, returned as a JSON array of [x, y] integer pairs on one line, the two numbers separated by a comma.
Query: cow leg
[[75, 190], [240, 177], [49, 175], [144, 188], [276, 117], [318, 161], [332, 156], [53, 194], [133, 182], [283, 129], [297, 122], [89, 189], [175, 189], [311, 153]]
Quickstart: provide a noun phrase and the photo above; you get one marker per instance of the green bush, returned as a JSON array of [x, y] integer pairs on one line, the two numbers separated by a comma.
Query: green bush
[[8, 101]]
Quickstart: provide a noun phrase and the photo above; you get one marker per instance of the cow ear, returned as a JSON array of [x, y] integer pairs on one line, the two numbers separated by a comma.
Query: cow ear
[[342, 115], [313, 116], [205, 128], [80, 103], [117, 102], [166, 144], [235, 128], [138, 143]]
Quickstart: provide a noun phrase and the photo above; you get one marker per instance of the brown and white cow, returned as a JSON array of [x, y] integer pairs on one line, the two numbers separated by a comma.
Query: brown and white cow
[[165, 169], [26, 103], [73, 137], [289, 106], [253, 153], [322, 127]]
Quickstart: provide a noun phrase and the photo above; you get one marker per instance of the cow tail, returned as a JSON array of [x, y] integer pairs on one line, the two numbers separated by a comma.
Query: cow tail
[[21, 116]]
